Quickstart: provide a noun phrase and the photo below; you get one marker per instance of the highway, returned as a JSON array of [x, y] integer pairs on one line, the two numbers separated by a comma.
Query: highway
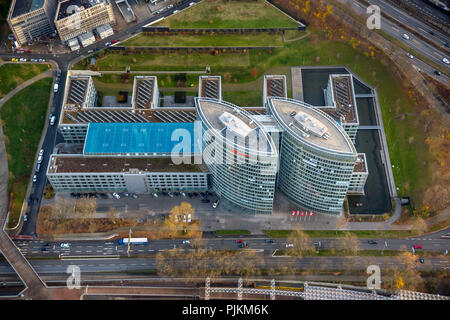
[[33, 248], [434, 54]]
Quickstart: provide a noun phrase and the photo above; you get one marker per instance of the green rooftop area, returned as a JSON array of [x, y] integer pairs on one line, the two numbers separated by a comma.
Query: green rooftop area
[[230, 14]]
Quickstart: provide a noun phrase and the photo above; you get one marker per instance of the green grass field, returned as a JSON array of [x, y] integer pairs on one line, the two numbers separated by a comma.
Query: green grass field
[[230, 14], [216, 40], [23, 118], [226, 232], [12, 75]]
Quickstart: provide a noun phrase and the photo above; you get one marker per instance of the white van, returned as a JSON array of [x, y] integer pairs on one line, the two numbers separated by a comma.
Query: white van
[[55, 88]]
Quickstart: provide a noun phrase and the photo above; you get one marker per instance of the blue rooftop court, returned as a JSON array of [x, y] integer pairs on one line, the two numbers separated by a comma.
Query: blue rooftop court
[[142, 139]]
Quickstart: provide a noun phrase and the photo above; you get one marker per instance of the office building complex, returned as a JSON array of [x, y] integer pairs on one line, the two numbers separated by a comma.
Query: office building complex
[[31, 19], [210, 87], [274, 86], [359, 176], [75, 17], [317, 157], [240, 155]]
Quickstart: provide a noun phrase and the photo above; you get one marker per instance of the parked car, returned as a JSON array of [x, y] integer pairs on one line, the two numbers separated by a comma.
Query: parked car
[[23, 60], [183, 194], [186, 242], [215, 204], [125, 194], [289, 245], [113, 41], [372, 242], [116, 195], [38, 167], [410, 55], [239, 241], [43, 249], [52, 120], [445, 60], [41, 60], [184, 218], [189, 218], [191, 3], [437, 72], [269, 241], [134, 196], [155, 194], [14, 59], [90, 51], [107, 44], [405, 36], [170, 194], [39, 160], [10, 36], [417, 246], [64, 245], [170, 6], [41, 152], [34, 60], [34, 178], [421, 260], [25, 218], [176, 11]]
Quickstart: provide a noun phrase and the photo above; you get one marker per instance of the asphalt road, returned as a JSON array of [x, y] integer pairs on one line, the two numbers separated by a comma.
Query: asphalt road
[[432, 53], [109, 248], [313, 263]]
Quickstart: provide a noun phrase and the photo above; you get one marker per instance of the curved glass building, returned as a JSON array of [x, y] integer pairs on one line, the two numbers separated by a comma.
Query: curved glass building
[[240, 155], [317, 156]]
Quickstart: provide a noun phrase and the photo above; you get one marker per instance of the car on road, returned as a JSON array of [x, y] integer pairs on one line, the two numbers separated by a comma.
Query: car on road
[[41, 60], [23, 60], [134, 196], [46, 244], [183, 194], [189, 218], [125, 194], [421, 260], [191, 3], [39, 160], [43, 249], [410, 55], [107, 44], [176, 11], [405, 36], [269, 241], [417, 246], [239, 241], [55, 88], [437, 72], [41, 152], [113, 41], [170, 6], [14, 59], [25, 218], [215, 204], [445, 60], [158, 12], [34, 178], [38, 167], [34, 60], [186, 242], [116, 195], [10, 36], [170, 194], [289, 245], [64, 245], [155, 194], [52, 120], [372, 242]]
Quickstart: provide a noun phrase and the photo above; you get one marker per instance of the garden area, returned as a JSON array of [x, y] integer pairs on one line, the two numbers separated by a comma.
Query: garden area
[[23, 118], [230, 14]]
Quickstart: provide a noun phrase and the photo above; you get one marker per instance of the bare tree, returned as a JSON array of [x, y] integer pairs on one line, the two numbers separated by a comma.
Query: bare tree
[[302, 243]]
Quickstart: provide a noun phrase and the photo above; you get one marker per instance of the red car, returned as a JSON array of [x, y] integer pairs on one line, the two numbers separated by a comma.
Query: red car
[[417, 246], [239, 241], [113, 41]]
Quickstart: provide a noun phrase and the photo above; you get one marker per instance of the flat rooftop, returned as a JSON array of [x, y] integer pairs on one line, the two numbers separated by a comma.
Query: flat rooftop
[[217, 114], [80, 164], [125, 115], [143, 91], [275, 86], [334, 140], [25, 6], [344, 97], [78, 86], [139, 138], [63, 11], [360, 164], [209, 87]]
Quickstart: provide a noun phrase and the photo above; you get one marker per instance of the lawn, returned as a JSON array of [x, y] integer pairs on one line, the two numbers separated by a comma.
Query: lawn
[[210, 40], [23, 118], [12, 75], [337, 234], [230, 14], [236, 232]]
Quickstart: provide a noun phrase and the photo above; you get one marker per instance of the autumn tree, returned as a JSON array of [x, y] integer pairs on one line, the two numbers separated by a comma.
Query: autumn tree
[[302, 243], [348, 243]]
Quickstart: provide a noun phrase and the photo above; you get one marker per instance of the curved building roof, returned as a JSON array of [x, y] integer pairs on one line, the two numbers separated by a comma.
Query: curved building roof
[[235, 124], [311, 125]]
